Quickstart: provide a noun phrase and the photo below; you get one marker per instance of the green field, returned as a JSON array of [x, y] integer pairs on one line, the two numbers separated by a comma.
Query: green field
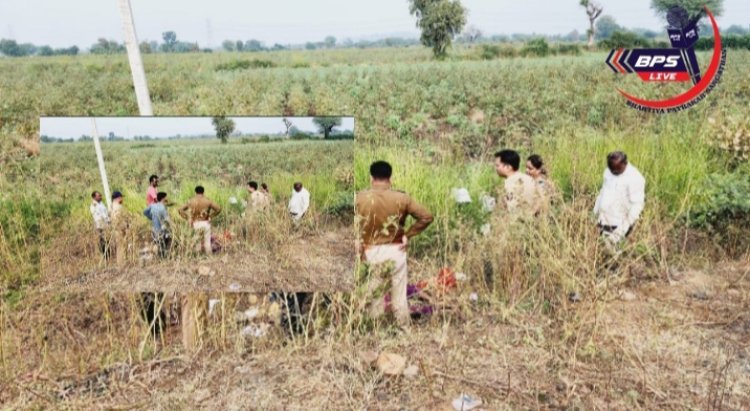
[[680, 344]]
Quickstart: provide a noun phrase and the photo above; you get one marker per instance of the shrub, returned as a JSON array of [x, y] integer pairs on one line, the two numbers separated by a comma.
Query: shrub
[[537, 47], [732, 138], [245, 64], [490, 51], [624, 39], [722, 207], [571, 49]]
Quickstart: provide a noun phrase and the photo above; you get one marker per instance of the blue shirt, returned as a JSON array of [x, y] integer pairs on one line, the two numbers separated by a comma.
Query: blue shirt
[[157, 213]]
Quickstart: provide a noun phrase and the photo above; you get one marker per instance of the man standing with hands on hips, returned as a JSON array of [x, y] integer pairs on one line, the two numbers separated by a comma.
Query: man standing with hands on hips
[[382, 237], [621, 199]]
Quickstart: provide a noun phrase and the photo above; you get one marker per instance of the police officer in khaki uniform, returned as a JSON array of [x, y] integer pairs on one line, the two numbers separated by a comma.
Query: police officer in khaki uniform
[[381, 216]]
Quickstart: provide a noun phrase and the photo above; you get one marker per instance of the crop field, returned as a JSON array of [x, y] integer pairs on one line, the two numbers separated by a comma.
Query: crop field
[[668, 328], [255, 255]]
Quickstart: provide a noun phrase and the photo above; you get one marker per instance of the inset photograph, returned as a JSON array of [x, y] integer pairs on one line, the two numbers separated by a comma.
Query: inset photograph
[[198, 203]]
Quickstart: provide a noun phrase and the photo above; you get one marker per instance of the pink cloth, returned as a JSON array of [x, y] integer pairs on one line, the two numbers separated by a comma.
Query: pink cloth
[[150, 195]]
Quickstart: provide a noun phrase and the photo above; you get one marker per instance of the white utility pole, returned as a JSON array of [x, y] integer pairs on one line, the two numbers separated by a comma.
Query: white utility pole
[[134, 57], [100, 160]]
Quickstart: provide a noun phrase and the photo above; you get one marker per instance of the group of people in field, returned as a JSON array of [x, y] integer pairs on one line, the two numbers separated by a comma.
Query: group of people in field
[[382, 213], [113, 225]]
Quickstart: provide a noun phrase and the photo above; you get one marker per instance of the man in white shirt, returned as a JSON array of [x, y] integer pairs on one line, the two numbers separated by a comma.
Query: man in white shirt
[[101, 221], [621, 198], [300, 202]]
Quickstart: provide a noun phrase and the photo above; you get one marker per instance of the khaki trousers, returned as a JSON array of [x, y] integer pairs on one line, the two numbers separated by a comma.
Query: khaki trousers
[[379, 255], [193, 309], [204, 226]]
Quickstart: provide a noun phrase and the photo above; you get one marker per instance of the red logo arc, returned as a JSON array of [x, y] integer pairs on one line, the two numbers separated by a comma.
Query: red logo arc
[[694, 91]]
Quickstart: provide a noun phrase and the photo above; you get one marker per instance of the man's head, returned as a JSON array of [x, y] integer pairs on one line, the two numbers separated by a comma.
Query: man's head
[[298, 186], [161, 197], [252, 186], [264, 186], [507, 162], [617, 161], [97, 196], [199, 190], [153, 180], [381, 171], [117, 197]]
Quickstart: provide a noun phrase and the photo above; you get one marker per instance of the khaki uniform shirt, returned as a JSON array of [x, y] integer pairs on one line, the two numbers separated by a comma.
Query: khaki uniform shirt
[[258, 201], [199, 208], [522, 195], [382, 212]]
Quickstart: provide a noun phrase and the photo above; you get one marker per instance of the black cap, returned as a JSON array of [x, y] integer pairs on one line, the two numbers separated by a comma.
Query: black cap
[[116, 195]]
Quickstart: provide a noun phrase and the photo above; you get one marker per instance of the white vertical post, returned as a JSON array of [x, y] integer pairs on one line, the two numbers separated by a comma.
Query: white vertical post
[[134, 57], [100, 160]]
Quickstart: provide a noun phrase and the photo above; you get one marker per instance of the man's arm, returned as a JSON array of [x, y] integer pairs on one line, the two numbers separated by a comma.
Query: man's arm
[[423, 217], [215, 209], [183, 211], [305, 202], [597, 205], [147, 213]]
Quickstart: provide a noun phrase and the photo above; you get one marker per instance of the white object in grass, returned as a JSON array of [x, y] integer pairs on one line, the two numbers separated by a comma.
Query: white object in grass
[[488, 202], [461, 195], [211, 304], [233, 200]]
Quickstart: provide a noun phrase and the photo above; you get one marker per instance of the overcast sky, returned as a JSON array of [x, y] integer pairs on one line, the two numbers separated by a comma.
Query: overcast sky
[[80, 22], [75, 127]]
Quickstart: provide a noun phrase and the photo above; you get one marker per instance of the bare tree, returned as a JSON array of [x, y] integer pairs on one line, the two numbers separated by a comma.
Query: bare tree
[[593, 10], [472, 34], [288, 125]]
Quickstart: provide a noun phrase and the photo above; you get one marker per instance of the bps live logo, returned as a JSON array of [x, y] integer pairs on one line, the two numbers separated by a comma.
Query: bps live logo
[[676, 64]]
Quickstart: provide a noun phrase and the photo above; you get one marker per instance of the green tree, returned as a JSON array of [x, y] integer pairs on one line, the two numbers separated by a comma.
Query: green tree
[[605, 27], [46, 51], [440, 21], [145, 47], [330, 42], [10, 48], [326, 124], [228, 45], [254, 45], [223, 126], [593, 11], [693, 7], [170, 39]]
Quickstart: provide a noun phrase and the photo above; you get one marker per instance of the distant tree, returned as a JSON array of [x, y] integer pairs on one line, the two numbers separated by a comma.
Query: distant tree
[[472, 34], [605, 27], [310, 46], [254, 45], [104, 46], [440, 21], [70, 51], [45, 51], [278, 46], [693, 7], [574, 36], [593, 11], [10, 48], [223, 126], [239, 45], [330, 42], [735, 29], [170, 39], [326, 124], [288, 125], [145, 47], [645, 33], [228, 45]]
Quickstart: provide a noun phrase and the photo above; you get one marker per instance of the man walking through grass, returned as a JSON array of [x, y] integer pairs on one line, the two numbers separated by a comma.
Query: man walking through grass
[[621, 198], [101, 222], [120, 225], [383, 238], [299, 202], [160, 230], [151, 193], [258, 201], [199, 211], [521, 194]]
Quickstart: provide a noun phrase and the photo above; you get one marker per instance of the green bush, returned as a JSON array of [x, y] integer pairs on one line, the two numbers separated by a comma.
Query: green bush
[[722, 206], [571, 49], [537, 47], [244, 64], [490, 51], [624, 39]]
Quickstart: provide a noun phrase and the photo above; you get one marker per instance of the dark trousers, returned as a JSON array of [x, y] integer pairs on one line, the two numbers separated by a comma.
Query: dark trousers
[[103, 246], [610, 228], [149, 305], [164, 241]]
